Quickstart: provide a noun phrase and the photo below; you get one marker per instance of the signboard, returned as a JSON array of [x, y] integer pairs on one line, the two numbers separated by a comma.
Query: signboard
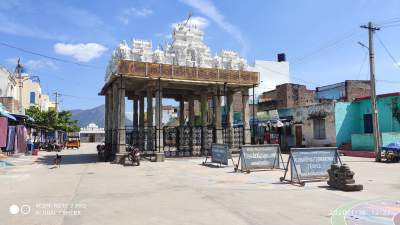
[[311, 163], [253, 157], [220, 153]]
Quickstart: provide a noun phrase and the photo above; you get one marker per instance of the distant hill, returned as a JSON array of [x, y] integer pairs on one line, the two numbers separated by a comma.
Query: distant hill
[[94, 115]]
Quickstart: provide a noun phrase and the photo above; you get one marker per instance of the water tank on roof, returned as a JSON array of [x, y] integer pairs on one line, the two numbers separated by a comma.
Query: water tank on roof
[[281, 57]]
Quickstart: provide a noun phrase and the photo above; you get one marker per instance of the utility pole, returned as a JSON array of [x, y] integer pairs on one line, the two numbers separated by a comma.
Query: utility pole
[[18, 71], [56, 94], [374, 111]]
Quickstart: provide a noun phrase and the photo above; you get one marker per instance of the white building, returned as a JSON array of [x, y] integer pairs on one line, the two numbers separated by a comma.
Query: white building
[[272, 73], [8, 91], [32, 94], [8, 83], [169, 112], [92, 133]]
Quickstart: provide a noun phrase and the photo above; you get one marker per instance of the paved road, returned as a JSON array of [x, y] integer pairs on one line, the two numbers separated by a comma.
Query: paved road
[[178, 191]]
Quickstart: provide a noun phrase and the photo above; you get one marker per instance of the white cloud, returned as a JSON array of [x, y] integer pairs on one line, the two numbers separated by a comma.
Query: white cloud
[[81, 52], [128, 13], [208, 9], [200, 22]]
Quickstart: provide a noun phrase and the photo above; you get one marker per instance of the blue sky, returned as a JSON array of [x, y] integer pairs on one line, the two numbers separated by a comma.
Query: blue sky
[[319, 37]]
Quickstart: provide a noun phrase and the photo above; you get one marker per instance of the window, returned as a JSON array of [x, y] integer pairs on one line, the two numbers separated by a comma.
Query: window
[[32, 98], [319, 128]]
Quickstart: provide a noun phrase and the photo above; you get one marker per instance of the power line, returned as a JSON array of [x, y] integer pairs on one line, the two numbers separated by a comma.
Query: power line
[[392, 22], [389, 21], [388, 52], [393, 25], [329, 44], [48, 57], [362, 65]]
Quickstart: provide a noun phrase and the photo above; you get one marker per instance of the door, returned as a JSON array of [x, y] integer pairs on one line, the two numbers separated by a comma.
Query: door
[[91, 138], [299, 136]]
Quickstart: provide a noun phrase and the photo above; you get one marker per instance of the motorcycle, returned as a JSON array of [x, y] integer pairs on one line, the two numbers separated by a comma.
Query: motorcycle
[[101, 152], [134, 155]]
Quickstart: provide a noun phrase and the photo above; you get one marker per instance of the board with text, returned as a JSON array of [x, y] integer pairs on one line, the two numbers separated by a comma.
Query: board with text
[[259, 157], [308, 164]]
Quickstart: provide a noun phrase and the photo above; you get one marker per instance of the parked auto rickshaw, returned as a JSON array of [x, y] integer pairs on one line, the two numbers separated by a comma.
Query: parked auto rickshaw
[[73, 142]]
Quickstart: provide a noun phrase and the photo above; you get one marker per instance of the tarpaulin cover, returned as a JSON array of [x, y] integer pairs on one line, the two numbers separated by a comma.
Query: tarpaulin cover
[[395, 146], [4, 113]]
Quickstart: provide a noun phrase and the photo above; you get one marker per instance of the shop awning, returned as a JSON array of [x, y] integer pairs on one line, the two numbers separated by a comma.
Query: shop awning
[[5, 114], [23, 117]]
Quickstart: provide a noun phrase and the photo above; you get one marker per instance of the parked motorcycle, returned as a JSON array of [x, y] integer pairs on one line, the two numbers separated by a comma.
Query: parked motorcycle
[[101, 152], [133, 155], [53, 146]]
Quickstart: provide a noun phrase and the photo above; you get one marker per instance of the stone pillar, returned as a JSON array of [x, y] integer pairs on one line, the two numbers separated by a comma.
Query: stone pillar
[[203, 117], [229, 121], [246, 117], [150, 106], [141, 112], [217, 118], [121, 144], [141, 121], [181, 112], [107, 119], [135, 113], [191, 111], [159, 126], [150, 128], [114, 120]]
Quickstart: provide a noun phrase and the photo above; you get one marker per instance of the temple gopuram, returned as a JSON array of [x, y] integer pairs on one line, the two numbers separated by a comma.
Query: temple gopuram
[[183, 70]]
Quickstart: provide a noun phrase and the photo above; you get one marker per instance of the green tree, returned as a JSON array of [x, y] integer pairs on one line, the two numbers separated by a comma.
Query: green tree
[[52, 120]]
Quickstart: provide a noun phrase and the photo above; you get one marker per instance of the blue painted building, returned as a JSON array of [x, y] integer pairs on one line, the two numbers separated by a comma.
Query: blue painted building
[[353, 121]]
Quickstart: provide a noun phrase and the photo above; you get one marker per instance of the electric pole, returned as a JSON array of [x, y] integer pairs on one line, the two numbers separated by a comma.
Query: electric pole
[[56, 94], [374, 111], [18, 71]]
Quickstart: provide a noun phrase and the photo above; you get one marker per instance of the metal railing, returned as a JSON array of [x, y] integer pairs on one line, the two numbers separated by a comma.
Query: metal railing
[[177, 141]]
